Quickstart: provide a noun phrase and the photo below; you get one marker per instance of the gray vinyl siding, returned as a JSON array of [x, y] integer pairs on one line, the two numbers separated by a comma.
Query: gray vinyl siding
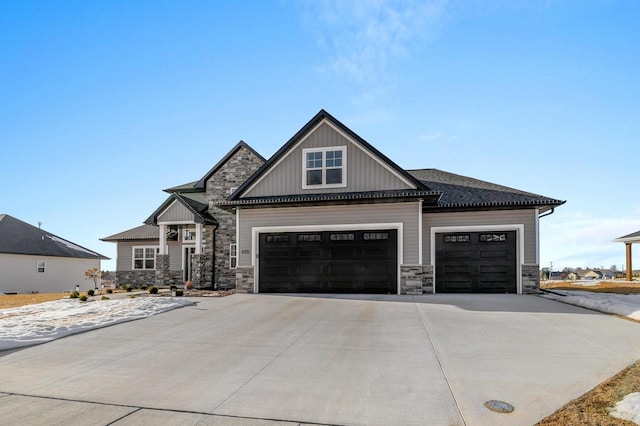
[[363, 172], [175, 256], [125, 254], [405, 213], [176, 213], [526, 217]]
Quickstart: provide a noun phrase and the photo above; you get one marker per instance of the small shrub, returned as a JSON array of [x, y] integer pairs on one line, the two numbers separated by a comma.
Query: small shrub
[[104, 298], [153, 290], [179, 293], [128, 288], [188, 285], [109, 291], [91, 292], [83, 298], [133, 296], [144, 287], [74, 295]]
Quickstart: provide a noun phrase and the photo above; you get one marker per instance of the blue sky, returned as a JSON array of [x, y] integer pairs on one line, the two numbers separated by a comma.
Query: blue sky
[[105, 103]]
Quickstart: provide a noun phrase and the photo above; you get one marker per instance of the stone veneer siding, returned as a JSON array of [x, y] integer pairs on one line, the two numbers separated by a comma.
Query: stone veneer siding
[[232, 174], [530, 278], [136, 278], [416, 279], [244, 279], [164, 276], [202, 264]]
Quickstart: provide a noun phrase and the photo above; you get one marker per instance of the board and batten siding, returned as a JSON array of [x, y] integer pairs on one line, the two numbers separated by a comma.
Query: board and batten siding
[[405, 213], [176, 213], [526, 217], [363, 172]]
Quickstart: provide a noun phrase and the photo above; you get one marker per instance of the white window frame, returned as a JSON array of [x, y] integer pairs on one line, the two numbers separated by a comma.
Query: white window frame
[[233, 256], [41, 264], [324, 168], [144, 258]]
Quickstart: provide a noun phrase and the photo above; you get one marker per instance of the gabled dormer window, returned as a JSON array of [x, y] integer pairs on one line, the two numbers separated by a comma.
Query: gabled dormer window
[[324, 167]]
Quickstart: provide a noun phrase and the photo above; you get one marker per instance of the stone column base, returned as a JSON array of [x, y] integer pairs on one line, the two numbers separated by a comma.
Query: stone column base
[[530, 278], [416, 279], [244, 279]]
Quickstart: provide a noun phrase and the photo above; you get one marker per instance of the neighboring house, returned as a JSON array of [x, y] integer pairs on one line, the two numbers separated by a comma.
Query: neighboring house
[[600, 274], [34, 260], [329, 213], [573, 276]]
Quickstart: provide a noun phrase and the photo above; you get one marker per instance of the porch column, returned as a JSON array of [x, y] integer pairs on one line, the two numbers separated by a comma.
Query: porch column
[[163, 239], [629, 266], [198, 238]]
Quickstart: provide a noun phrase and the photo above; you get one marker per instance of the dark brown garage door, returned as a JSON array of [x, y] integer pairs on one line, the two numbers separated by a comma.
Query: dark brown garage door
[[476, 262], [329, 262]]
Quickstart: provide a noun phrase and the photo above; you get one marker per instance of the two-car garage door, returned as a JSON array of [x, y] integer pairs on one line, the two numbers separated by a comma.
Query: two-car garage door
[[364, 261]]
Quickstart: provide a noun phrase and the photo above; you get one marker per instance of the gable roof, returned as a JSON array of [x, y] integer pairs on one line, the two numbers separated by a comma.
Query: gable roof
[[242, 144], [195, 202], [291, 143], [18, 237], [142, 232], [200, 185], [630, 238], [460, 192]]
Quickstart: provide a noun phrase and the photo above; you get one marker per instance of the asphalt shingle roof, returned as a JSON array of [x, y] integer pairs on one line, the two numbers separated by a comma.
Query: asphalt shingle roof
[[18, 237], [143, 232], [460, 191]]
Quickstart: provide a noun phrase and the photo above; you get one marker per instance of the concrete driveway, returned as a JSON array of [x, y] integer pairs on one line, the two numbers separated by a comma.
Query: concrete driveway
[[272, 359]]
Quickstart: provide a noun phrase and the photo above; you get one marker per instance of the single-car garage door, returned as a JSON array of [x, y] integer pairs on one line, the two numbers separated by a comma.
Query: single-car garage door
[[328, 262], [476, 262]]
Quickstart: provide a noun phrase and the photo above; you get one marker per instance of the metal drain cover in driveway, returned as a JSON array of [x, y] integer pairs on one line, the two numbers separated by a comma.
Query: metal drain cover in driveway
[[499, 406]]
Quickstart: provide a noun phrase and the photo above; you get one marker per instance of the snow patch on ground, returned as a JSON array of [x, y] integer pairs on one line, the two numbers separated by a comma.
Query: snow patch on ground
[[628, 408], [627, 305], [43, 322]]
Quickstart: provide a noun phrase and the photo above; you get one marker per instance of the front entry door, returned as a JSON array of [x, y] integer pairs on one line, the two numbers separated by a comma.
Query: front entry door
[[187, 251]]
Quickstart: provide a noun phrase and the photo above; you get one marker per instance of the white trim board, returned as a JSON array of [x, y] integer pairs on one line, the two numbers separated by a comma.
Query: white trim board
[[519, 228], [257, 230]]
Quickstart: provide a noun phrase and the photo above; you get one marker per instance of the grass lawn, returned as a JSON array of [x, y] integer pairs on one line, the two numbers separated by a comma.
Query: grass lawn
[[16, 300], [622, 287]]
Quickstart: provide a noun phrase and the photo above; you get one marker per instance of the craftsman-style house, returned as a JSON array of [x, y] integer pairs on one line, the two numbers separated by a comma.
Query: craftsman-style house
[[329, 213]]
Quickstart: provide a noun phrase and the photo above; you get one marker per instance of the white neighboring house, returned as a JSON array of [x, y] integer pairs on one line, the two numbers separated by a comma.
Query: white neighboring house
[[34, 260]]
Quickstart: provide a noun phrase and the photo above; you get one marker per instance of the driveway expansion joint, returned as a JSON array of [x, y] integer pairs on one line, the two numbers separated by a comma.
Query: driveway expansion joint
[[437, 356]]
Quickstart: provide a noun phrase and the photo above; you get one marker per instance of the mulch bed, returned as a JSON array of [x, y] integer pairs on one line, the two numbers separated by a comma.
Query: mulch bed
[[191, 293]]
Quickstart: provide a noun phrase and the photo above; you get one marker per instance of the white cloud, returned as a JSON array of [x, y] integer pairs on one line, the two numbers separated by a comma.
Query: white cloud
[[581, 240], [363, 38]]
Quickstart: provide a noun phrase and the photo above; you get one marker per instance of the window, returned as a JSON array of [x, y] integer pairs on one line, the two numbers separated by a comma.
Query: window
[[464, 238], [309, 237], [233, 256], [144, 257], [277, 238], [342, 237], [41, 266], [491, 238], [375, 236], [324, 167]]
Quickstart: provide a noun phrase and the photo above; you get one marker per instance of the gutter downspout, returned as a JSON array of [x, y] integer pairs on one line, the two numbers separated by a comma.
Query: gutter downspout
[[547, 213]]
